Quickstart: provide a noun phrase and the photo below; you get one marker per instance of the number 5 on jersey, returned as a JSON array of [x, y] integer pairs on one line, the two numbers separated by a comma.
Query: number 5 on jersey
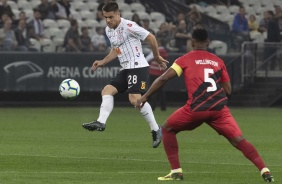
[[207, 72]]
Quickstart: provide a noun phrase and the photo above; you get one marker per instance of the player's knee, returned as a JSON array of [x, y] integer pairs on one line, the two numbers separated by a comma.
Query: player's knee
[[234, 141], [133, 98], [109, 90], [167, 129]]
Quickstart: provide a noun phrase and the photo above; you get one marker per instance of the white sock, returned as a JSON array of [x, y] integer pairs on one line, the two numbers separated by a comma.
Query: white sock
[[179, 170], [106, 108], [147, 113], [265, 169]]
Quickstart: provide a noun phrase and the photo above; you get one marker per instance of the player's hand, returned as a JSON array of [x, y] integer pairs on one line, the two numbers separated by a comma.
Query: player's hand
[[140, 102], [161, 61], [96, 64]]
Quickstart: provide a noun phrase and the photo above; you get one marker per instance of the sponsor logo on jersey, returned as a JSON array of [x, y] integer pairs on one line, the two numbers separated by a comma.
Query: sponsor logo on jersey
[[129, 25], [143, 85]]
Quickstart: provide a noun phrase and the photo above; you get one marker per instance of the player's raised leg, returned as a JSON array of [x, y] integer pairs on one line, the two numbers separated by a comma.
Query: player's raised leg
[[148, 115], [226, 125], [250, 152], [105, 110]]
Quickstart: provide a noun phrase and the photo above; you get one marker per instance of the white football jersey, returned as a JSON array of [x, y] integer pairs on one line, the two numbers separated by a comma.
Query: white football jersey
[[126, 40]]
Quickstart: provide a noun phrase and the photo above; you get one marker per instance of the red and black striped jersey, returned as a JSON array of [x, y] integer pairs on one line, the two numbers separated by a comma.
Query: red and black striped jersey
[[203, 72]]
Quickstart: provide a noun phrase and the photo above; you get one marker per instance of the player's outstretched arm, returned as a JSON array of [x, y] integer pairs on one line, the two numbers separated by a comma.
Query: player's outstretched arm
[[159, 82], [111, 56], [151, 40]]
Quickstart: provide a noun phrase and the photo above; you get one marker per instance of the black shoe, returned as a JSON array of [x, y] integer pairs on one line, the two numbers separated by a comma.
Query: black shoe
[[95, 125], [157, 137], [266, 175]]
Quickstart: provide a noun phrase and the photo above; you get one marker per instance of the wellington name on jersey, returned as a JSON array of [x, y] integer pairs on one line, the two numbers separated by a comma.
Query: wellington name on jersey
[[126, 40], [203, 72]]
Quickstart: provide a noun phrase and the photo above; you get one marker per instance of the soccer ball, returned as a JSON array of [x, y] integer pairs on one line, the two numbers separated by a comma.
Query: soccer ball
[[69, 89]]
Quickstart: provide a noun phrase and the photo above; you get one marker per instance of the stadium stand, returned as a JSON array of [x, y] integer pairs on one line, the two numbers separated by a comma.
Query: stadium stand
[[217, 17]]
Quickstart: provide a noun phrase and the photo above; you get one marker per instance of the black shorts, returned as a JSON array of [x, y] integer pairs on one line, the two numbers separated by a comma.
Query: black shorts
[[133, 81]]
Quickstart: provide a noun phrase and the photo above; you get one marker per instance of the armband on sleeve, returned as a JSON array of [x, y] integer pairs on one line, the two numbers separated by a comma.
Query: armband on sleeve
[[177, 69]]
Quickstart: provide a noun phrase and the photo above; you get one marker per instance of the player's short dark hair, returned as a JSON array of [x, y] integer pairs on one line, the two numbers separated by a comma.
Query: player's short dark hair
[[200, 33], [110, 6]]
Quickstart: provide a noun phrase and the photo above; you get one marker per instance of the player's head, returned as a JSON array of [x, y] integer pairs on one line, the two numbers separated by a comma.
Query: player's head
[[200, 37], [111, 14]]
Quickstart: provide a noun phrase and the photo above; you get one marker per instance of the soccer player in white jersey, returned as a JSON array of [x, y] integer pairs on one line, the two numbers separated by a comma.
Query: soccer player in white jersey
[[125, 36]]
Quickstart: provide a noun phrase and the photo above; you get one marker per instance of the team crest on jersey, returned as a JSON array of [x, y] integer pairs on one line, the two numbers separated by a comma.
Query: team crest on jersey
[[143, 85], [129, 25]]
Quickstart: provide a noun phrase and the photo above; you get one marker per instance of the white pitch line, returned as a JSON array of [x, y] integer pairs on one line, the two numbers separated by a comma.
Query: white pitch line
[[132, 159], [93, 172]]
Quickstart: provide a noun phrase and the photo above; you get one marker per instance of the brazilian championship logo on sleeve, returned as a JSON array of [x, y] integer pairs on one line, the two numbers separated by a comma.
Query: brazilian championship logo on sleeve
[[143, 85]]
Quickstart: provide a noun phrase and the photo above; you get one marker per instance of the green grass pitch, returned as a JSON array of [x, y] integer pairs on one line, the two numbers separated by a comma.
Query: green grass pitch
[[48, 145]]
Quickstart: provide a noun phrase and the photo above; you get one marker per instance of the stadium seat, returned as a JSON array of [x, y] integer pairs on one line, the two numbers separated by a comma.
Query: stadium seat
[[156, 25], [58, 44], [85, 15], [63, 24], [49, 23], [81, 23], [137, 7], [120, 1], [157, 16], [75, 15], [24, 5], [251, 2], [256, 37], [228, 19], [103, 24], [277, 3], [144, 15], [93, 6], [209, 10], [92, 24], [79, 6], [13, 5], [266, 4], [250, 11], [127, 14], [233, 9], [82, 7], [124, 7], [216, 16], [35, 44], [219, 47], [47, 45], [56, 33], [222, 10], [29, 13], [35, 3], [16, 13], [259, 11]]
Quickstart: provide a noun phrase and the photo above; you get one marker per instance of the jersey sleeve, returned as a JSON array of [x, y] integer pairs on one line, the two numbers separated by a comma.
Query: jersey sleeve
[[176, 68], [136, 31]]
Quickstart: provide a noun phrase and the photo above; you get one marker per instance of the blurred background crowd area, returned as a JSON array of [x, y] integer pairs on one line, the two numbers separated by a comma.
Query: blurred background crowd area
[[78, 25]]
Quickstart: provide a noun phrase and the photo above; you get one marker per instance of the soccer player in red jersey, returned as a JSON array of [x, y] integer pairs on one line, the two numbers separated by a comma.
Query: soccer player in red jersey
[[208, 87]]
